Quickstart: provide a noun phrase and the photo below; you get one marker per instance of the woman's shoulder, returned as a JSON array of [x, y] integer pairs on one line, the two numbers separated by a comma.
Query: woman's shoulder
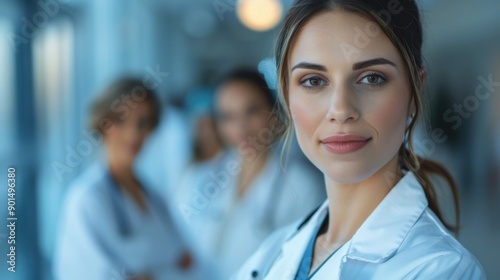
[[428, 230], [436, 254], [88, 190], [428, 251]]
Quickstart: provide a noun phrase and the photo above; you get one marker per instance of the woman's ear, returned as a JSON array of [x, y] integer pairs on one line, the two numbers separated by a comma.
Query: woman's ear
[[422, 74]]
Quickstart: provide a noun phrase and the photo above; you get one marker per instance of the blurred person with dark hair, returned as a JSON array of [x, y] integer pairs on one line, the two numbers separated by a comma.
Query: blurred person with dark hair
[[113, 227], [207, 146], [245, 193]]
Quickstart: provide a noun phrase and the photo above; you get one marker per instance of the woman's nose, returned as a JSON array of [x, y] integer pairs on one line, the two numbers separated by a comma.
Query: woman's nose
[[342, 105]]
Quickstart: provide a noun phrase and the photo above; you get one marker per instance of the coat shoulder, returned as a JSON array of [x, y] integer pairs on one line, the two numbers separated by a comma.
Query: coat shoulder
[[435, 254]]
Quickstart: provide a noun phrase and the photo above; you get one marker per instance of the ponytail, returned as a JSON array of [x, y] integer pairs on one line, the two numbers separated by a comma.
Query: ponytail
[[423, 168]]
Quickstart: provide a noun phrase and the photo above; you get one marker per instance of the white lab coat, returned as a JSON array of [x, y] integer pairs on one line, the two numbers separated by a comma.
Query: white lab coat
[[227, 229], [401, 239], [105, 236]]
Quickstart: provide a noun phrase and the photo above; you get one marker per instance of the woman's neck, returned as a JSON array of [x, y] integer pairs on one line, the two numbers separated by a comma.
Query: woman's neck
[[351, 204], [121, 172], [124, 175]]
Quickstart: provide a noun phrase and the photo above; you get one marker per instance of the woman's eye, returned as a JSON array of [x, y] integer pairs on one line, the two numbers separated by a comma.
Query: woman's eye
[[373, 79], [313, 82]]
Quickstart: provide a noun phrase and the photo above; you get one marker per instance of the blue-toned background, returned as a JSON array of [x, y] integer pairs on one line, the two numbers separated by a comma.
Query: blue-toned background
[[55, 56]]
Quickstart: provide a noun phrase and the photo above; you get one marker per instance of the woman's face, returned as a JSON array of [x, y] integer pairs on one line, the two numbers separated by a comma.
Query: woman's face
[[243, 115], [125, 137], [349, 95]]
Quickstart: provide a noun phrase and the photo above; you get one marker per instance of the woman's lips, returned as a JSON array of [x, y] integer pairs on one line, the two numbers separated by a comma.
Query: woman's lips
[[344, 143]]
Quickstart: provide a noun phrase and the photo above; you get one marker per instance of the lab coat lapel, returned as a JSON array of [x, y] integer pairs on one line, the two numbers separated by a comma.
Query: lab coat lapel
[[390, 222], [381, 235], [293, 249]]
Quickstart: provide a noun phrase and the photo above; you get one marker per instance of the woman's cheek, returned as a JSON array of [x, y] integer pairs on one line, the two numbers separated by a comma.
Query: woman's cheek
[[303, 119], [389, 119]]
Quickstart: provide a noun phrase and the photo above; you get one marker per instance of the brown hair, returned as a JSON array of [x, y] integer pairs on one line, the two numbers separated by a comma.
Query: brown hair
[[403, 27], [112, 104], [252, 77]]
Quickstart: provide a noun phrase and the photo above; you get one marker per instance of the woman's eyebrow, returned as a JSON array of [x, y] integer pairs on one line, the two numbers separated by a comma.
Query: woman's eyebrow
[[375, 61], [312, 66]]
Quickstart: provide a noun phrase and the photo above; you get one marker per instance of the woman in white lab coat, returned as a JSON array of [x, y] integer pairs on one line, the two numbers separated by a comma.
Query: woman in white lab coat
[[244, 194], [350, 77], [112, 227]]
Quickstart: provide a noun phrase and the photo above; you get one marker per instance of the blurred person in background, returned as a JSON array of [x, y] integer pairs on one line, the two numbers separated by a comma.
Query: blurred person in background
[[206, 142], [207, 151], [113, 227], [207, 147], [246, 194]]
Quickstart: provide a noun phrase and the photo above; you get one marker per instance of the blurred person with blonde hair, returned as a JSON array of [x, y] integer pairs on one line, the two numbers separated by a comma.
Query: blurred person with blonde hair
[[113, 227]]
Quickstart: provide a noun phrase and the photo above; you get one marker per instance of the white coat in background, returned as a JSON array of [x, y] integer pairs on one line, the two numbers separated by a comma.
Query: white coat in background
[[401, 239], [227, 229], [104, 235]]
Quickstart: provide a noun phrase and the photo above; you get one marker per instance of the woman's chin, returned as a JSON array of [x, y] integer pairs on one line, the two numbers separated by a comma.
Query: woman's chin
[[347, 175]]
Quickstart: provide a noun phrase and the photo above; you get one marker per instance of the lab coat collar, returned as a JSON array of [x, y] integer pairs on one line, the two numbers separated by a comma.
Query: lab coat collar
[[294, 247], [390, 222], [378, 238]]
